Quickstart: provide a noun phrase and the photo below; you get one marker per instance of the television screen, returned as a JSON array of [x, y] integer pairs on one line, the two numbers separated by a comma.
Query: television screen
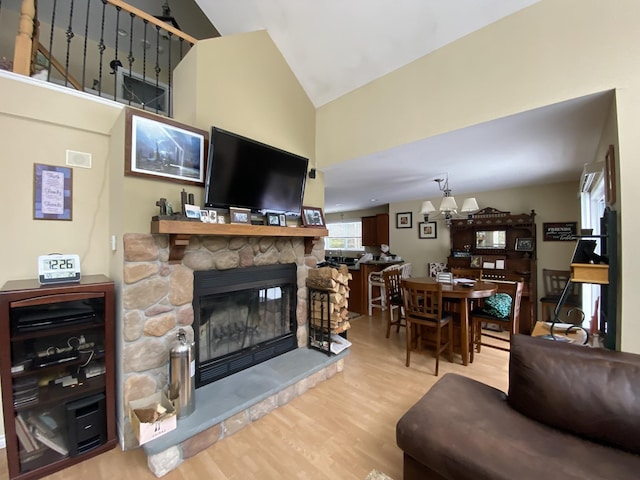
[[245, 173]]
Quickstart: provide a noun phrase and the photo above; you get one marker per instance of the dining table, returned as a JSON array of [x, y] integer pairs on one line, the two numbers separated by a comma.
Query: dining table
[[464, 292]]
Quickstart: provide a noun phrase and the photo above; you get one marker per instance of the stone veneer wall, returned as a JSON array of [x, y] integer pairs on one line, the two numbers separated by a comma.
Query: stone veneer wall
[[156, 301]]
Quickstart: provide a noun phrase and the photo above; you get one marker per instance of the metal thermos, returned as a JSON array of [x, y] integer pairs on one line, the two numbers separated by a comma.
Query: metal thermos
[[182, 372]]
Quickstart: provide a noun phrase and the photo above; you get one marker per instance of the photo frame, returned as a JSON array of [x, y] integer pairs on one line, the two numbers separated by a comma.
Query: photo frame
[[158, 147], [427, 230], [52, 192], [283, 220], [312, 217], [476, 261], [524, 244], [273, 219], [610, 176], [240, 215], [404, 220]]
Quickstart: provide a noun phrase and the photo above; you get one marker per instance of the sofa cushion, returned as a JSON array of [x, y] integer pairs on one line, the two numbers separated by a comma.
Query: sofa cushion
[[464, 429], [594, 393]]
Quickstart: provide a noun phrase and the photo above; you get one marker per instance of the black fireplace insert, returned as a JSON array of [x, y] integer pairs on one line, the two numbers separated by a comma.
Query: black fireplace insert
[[242, 317]]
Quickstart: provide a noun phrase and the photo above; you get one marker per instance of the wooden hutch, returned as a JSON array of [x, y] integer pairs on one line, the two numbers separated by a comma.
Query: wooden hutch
[[504, 247]]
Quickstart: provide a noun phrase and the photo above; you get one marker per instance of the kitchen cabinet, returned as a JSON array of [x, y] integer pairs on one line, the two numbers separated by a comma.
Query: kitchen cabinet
[[375, 230]]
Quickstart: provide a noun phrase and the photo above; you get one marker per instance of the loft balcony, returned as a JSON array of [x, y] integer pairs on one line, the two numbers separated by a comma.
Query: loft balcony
[[108, 48]]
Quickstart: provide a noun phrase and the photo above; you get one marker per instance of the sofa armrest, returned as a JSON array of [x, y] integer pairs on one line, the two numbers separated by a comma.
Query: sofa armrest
[[593, 393]]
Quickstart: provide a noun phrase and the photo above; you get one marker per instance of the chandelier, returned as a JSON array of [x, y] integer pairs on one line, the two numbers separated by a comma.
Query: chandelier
[[448, 207]]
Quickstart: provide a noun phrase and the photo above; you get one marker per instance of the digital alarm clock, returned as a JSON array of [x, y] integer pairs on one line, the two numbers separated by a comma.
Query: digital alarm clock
[[57, 268]]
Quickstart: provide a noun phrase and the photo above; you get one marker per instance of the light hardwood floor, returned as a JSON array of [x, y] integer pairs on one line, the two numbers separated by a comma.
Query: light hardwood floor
[[341, 429]]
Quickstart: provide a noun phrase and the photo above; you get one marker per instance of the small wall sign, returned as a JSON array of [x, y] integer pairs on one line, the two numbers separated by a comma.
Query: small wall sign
[[559, 232]]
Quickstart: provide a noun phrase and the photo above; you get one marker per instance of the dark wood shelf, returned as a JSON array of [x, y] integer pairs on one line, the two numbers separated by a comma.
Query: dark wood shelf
[[29, 294]]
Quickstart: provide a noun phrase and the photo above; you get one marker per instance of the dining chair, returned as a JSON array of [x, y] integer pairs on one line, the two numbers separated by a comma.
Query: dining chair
[[553, 282], [375, 280], [423, 310], [506, 317], [394, 299], [470, 273]]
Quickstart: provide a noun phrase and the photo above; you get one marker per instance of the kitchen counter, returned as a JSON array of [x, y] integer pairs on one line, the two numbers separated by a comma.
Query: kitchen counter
[[359, 285]]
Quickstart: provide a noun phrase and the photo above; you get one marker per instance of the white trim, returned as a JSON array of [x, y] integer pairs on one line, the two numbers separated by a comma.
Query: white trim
[[3, 441]]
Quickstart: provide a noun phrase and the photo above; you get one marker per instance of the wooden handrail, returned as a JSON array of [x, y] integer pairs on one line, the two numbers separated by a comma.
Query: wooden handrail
[[145, 16]]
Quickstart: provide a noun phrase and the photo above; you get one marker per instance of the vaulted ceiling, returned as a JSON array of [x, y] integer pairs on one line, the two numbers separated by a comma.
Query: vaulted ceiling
[[336, 46]]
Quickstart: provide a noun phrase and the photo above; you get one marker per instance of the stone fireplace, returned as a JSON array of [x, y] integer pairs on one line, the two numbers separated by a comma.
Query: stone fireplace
[[157, 296]]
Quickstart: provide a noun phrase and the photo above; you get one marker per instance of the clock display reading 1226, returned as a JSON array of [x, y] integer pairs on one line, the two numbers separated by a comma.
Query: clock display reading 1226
[[58, 268]]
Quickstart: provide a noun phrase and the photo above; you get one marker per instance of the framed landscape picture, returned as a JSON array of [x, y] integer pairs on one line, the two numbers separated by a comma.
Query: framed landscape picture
[[157, 147]]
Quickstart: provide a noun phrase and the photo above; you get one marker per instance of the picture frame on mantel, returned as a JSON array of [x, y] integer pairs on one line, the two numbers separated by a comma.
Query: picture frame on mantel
[[312, 217], [159, 148]]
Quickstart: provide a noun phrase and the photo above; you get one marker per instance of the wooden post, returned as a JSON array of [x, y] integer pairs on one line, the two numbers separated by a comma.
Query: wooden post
[[24, 44]]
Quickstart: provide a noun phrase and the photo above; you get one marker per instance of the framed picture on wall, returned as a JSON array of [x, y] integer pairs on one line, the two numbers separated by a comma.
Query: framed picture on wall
[[157, 147], [427, 230], [52, 192], [404, 220]]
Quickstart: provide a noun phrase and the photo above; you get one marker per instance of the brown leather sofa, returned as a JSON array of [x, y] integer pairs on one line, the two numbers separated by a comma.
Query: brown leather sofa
[[571, 412]]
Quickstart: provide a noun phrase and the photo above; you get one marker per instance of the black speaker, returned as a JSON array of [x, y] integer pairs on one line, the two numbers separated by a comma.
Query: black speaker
[[312, 173], [86, 424]]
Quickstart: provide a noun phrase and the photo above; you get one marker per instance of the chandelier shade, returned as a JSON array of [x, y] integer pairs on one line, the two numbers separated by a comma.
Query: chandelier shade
[[448, 206]]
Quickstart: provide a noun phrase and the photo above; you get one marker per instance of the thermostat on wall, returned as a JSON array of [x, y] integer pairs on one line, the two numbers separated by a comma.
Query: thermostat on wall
[[58, 268]]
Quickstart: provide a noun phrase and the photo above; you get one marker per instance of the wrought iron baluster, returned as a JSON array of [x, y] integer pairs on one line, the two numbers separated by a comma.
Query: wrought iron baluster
[[130, 57], [157, 69], [84, 50], [169, 94], [115, 64], [144, 53], [69, 35], [53, 22], [101, 48]]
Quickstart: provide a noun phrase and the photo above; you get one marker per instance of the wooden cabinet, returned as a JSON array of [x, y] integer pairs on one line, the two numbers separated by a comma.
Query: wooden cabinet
[[375, 230], [57, 347], [356, 292], [503, 246]]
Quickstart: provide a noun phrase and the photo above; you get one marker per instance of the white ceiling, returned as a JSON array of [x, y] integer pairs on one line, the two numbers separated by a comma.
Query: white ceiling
[[336, 46]]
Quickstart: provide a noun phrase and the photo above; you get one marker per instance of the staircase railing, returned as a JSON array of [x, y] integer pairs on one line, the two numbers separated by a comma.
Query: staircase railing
[[105, 47]]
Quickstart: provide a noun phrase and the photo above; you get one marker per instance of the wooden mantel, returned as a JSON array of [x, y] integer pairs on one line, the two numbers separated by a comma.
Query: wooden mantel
[[180, 232]]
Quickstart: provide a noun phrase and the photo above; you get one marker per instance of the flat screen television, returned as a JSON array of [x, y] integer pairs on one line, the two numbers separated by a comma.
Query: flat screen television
[[245, 173]]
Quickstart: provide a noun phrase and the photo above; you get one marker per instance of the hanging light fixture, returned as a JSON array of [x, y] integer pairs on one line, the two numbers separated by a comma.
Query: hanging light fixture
[[448, 206], [166, 16]]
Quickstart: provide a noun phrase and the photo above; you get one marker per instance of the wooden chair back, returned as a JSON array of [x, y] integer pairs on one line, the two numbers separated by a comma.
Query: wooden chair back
[[422, 301], [471, 273]]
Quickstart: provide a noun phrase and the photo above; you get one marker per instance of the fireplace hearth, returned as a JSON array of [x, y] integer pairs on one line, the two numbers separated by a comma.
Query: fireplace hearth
[[242, 317]]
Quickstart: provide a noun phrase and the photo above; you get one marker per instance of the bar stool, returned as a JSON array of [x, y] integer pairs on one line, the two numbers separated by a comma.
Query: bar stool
[[375, 280]]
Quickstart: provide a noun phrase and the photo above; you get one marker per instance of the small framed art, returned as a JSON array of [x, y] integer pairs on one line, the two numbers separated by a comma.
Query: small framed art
[[404, 220], [427, 230], [476, 261], [273, 219], [239, 215], [524, 244], [52, 192], [312, 217]]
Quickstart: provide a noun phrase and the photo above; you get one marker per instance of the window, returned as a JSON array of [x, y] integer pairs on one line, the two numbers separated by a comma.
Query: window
[[344, 236]]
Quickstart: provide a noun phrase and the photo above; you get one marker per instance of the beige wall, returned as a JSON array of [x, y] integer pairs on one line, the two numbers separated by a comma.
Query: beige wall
[[544, 54], [254, 93]]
